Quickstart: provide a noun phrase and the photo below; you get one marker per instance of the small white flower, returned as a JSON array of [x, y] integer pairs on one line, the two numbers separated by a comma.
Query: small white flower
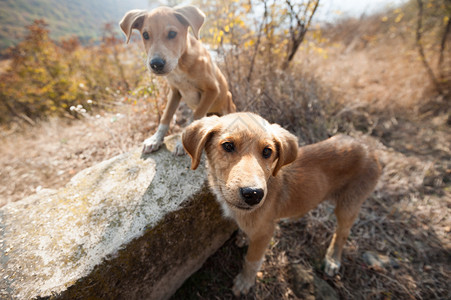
[[97, 116], [83, 111], [81, 85], [89, 101], [79, 106], [72, 108]]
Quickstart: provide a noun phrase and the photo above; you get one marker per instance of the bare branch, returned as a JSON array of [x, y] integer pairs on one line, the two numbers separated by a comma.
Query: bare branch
[[442, 46], [257, 44], [297, 33], [421, 49]]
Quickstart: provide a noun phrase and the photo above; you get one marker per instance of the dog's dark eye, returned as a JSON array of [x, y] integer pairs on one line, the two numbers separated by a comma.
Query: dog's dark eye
[[267, 153], [145, 35], [228, 146], [172, 34]]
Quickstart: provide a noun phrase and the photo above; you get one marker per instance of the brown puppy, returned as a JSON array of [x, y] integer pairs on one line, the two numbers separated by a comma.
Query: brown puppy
[[187, 65], [259, 175]]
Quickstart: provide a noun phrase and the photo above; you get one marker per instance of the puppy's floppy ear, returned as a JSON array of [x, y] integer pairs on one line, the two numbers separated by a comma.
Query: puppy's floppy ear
[[196, 135], [134, 19], [190, 16], [287, 147]]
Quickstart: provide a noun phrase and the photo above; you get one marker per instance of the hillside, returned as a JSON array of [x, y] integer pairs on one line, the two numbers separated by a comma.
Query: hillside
[[82, 18]]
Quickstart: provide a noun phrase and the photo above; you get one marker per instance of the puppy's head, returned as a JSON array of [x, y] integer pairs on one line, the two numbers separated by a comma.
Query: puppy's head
[[243, 152], [164, 32]]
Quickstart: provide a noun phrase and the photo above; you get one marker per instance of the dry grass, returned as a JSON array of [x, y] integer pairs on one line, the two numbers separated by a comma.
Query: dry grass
[[4, 64], [50, 153], [383, 76], [373, 90]]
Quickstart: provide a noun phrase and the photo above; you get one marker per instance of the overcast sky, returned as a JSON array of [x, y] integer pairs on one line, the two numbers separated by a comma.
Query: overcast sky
[[331, 9], [352, 8]]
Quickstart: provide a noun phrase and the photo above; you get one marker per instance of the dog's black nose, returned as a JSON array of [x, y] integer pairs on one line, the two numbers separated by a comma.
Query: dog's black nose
[[157, 64], [251, 196]]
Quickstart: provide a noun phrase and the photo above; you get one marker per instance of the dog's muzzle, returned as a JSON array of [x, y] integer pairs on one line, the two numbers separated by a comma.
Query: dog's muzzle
[[252, 196]]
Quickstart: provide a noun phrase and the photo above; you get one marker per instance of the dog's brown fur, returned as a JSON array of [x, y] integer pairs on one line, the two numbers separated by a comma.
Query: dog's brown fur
[[294, 180], [188, 67]]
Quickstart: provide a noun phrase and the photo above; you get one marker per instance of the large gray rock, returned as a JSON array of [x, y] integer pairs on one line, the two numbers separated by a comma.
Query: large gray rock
[[125, 228]]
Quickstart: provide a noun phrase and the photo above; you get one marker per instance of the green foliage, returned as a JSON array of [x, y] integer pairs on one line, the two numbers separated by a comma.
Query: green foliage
[[46, 79]]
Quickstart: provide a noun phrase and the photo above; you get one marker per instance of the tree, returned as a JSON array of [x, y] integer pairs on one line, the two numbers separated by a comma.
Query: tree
[[300, 17], [442, 13]]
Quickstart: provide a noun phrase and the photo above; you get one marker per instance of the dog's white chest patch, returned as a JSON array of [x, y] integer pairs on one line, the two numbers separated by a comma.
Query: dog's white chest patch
[[226, 211], [187, 88]]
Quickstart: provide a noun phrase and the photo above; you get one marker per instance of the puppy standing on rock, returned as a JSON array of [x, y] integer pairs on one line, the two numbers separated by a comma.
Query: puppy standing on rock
[[259, 175], [187, 65]]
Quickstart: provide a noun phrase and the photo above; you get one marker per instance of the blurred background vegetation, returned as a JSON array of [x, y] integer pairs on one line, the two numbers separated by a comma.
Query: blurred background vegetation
[[46, 78]]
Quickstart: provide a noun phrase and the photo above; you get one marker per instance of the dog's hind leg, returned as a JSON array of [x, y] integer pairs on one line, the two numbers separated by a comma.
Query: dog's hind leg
[[345, 219], [348, 203]]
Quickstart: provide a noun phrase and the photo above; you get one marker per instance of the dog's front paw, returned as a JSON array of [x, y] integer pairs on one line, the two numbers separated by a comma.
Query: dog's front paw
[[179, 150], [152, 144], [242, 285], [331, 266]]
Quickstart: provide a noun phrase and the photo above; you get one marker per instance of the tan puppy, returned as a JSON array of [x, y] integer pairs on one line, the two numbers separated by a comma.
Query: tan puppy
[[187, 65], [259, 175]]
